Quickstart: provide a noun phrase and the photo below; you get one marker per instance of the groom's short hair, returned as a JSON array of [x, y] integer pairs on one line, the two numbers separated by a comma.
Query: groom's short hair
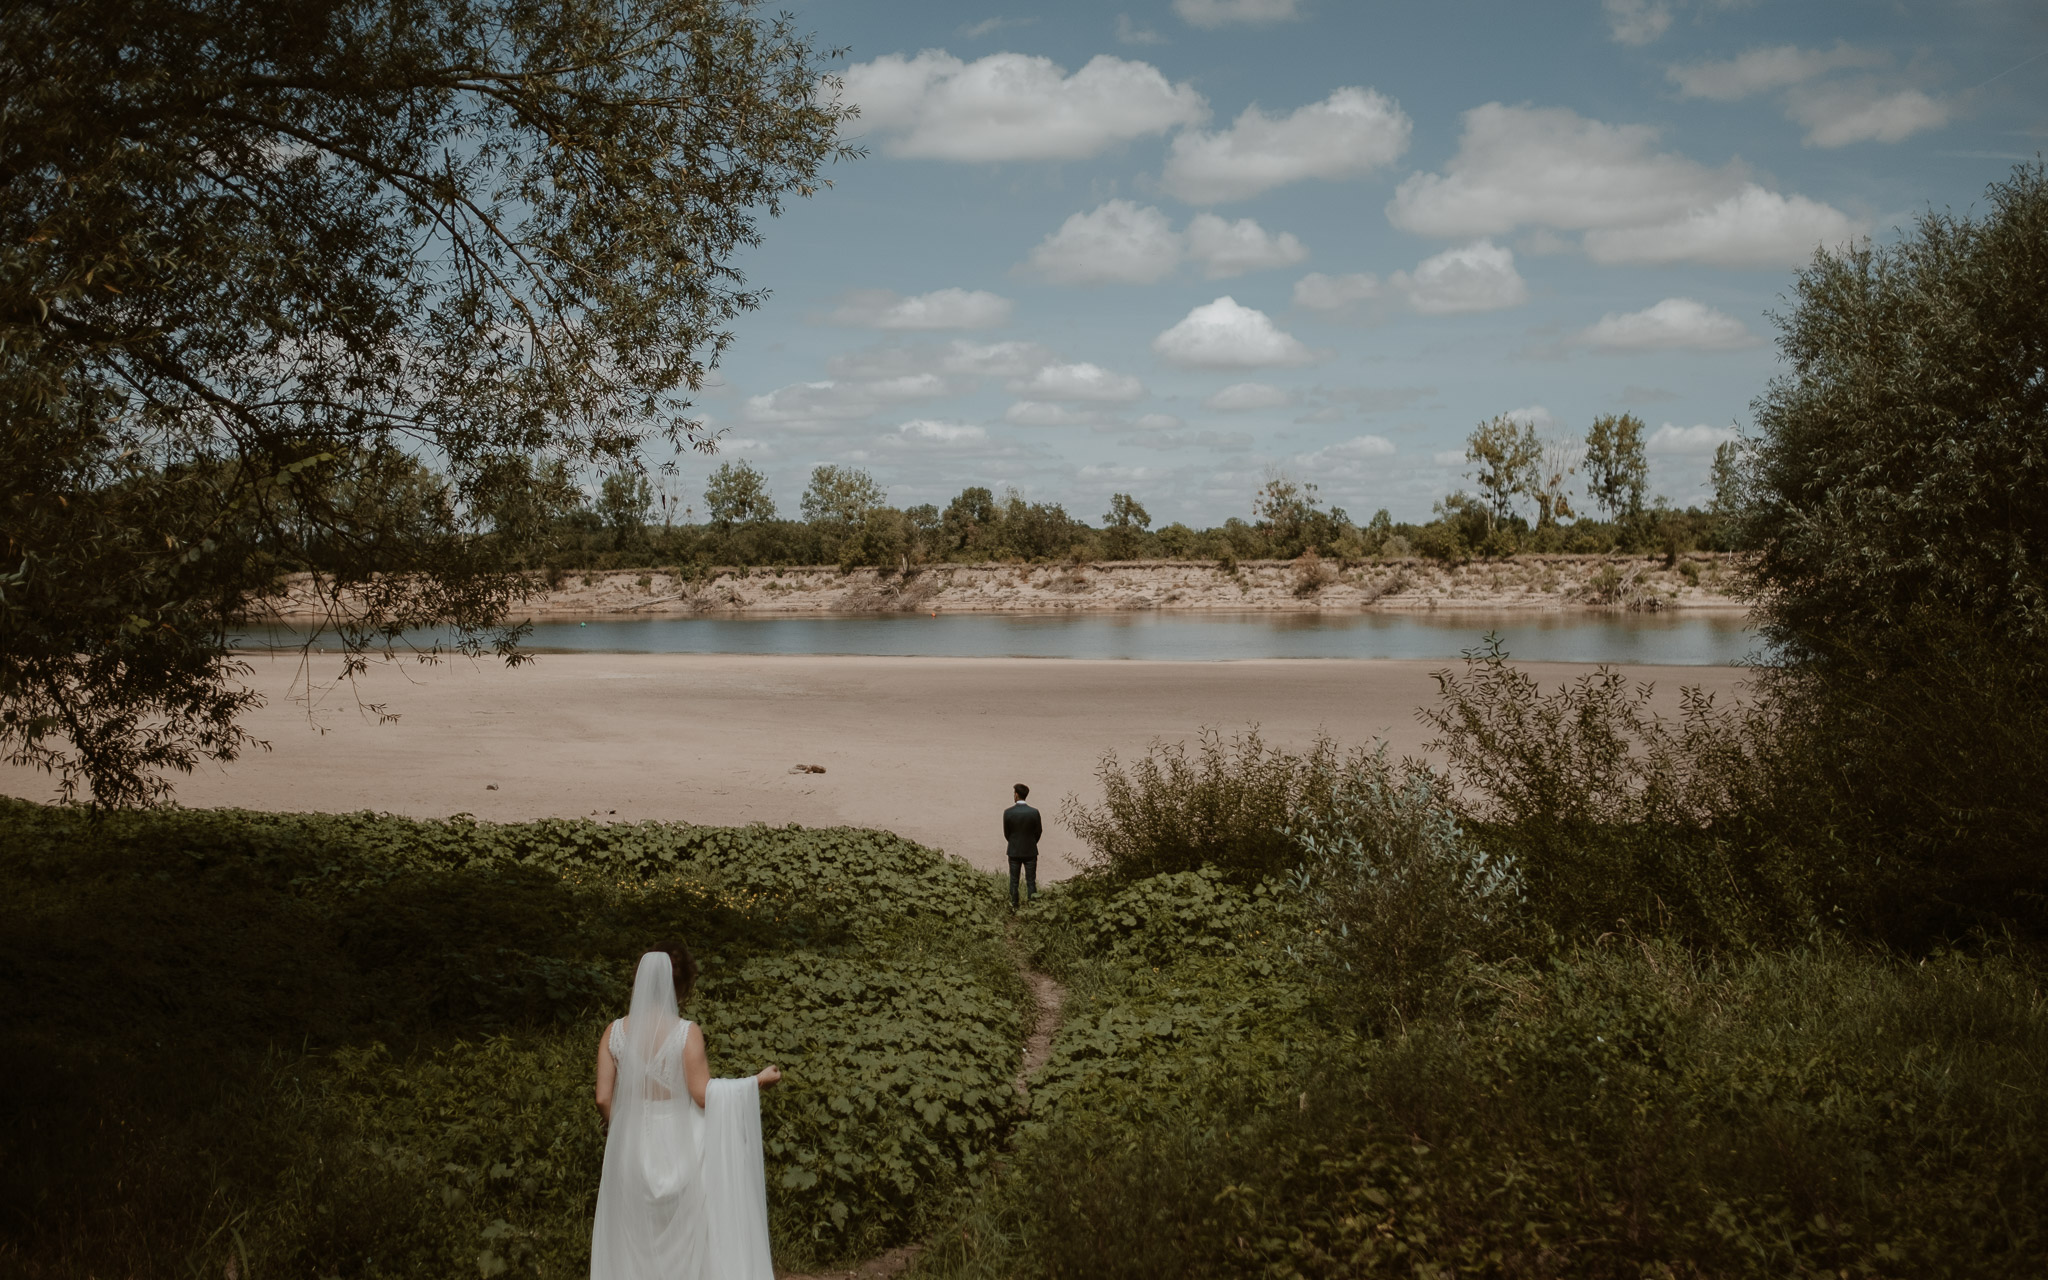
[[1021, 790]]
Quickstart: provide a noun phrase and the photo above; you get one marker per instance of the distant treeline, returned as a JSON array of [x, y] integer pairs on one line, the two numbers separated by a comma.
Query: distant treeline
[[846, 518]]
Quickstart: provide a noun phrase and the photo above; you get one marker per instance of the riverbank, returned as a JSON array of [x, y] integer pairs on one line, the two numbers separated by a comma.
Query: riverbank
[[1309, 585], [924, 747]]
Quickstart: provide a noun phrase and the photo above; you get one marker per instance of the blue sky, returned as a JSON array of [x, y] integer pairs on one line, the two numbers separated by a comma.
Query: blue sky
[[1175, 247]]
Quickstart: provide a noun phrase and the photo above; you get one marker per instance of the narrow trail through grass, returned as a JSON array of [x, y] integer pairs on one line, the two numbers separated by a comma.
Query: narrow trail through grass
[[1049, 997]]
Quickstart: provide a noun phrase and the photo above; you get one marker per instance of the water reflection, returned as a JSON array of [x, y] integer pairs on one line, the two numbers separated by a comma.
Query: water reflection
[[1676, 639]]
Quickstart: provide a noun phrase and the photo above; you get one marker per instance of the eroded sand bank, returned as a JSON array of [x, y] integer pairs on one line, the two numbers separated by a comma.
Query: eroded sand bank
[[927, 747]]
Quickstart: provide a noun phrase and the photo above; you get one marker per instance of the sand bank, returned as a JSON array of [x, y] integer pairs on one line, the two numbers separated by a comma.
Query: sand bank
[[927, 747], [1698, 581]]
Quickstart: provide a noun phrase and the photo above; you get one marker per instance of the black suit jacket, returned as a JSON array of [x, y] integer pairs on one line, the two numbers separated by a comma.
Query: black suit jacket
[[1022, 829]]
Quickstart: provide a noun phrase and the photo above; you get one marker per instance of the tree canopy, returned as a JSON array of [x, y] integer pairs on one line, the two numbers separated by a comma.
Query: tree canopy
[[259, 263], [1901, 466]]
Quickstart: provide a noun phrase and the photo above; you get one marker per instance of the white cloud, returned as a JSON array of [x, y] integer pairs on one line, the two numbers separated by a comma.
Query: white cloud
[[1675, 324], [995, 359], [1224, 335], [1753, 228], [1010, 106], [926, 431], [1233, 248], [939, 309], [1241, 396], [1689, 441], [1837, 115], [1532, 415], [1763, 70], [1216, 13], [1334, 294], [813, 403], [1637, 22], [1158, 422], [1480, 276], [1346, 135], [1550, 167], [1116, 243], [1352, 450], [1080, 382], [1128, 32], [1037, 413]]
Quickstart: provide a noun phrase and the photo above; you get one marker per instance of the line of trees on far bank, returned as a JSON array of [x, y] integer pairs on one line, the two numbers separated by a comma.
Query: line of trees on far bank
[[1521, 501]]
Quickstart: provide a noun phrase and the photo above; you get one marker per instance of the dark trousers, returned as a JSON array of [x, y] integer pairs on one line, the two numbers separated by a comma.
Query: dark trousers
[[1029, 866]]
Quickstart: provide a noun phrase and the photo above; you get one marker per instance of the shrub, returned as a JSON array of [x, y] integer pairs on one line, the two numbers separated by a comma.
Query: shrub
[[1228, 805], [1613, 818], [1396, 895]]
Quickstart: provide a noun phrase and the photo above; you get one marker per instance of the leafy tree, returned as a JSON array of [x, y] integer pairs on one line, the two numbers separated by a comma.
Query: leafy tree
[[737, 493], [841, 496], [1505, 455], [625, 500], [1618, 473], [972, 522], [1896, 502], [248, 251], [1902, 464], [1124, 525]]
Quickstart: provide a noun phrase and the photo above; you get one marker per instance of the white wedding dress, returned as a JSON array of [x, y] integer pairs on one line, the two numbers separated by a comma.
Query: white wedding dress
[[684, 1194]]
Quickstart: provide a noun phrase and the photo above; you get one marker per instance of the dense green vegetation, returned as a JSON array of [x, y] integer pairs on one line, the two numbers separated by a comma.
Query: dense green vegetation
[[1586, 1004], [363, 1046], [632, 523]]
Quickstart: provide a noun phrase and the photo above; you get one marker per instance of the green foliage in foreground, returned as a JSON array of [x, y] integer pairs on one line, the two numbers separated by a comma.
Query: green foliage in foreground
[[1626, 1108], [363, 1045]]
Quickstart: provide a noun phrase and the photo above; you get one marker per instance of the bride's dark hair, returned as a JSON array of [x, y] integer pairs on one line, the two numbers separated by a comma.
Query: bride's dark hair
[[682, 965]]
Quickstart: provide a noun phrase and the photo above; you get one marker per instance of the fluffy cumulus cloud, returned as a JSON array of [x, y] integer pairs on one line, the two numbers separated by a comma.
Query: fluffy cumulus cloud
[[1347, 135], [1675, 324], [1752, 228], [1480, 276], [1120, 242], [1225, 335], [959, 358], [1240, 397], [1218, 13], [1765, 70], [1335, 295], [1549, 167], [1010, 106], [940, 309], [1837, 115], [1232, 248], [924, 431], [1086, 382], [1116, 243], [1688, 442]]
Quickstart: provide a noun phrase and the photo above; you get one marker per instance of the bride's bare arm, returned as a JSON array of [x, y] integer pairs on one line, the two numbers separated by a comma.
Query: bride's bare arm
[[607, 1074], [696, 1067]]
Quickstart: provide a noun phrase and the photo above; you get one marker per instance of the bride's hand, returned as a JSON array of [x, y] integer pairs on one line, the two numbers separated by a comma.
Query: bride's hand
[[768, 1076]]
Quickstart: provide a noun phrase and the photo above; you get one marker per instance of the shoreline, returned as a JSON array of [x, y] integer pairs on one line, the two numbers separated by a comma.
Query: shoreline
[[926, 747], [1697, 582]]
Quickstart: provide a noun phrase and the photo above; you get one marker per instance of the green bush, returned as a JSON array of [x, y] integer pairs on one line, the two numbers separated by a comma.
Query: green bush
[[1228, 805], [363, 1045]]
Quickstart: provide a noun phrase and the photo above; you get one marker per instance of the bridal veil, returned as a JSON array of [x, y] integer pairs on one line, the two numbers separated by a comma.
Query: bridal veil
[[684, 1192]]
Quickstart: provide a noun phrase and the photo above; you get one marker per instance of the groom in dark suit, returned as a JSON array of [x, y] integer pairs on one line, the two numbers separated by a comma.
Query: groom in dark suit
[[1021, 829]]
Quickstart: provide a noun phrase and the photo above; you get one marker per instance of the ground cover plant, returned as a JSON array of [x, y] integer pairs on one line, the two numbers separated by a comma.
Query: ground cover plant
[[360, 1045]]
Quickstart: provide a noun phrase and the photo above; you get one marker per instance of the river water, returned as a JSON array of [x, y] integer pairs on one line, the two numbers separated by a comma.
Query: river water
[[1679, 639]]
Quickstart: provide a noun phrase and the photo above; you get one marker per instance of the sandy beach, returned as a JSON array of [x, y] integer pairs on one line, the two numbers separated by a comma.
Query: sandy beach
[[927, 747]]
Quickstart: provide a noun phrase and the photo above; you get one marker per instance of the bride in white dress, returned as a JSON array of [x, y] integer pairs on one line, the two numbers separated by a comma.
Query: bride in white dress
[[684, 1194]]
